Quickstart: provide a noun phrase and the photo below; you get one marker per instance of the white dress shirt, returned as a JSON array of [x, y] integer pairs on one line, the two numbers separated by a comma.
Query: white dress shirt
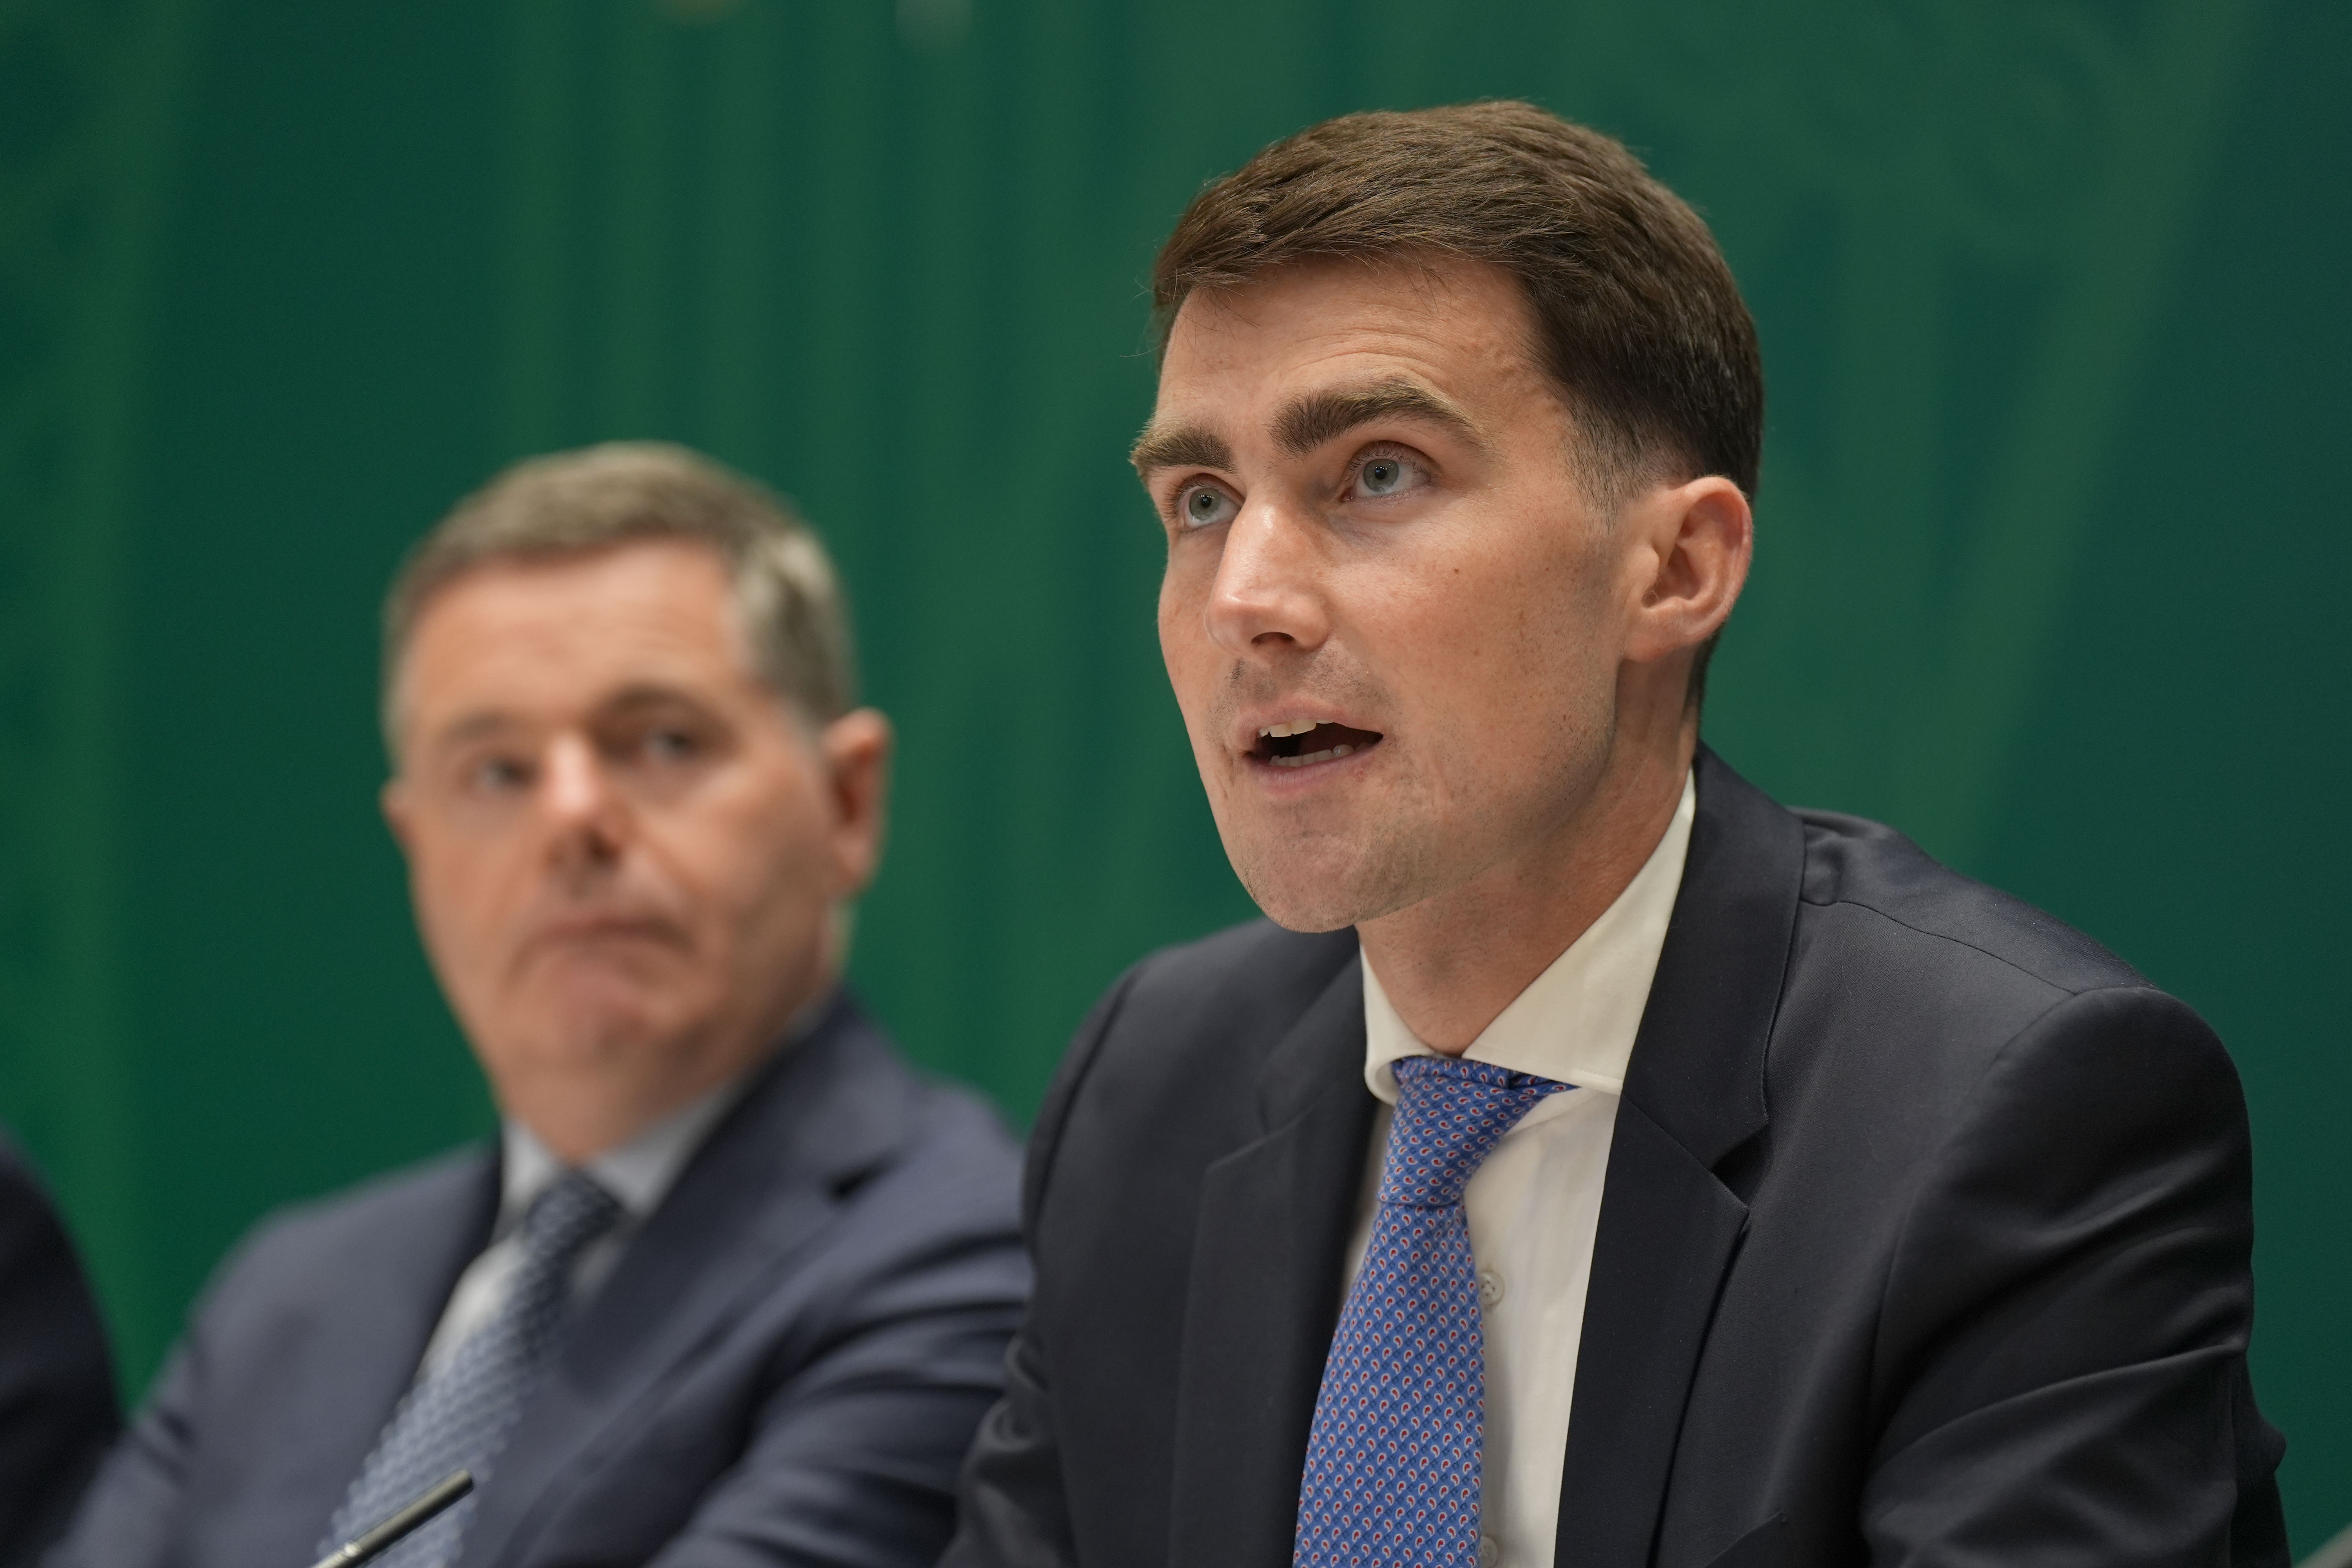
[[1534, 1205], [639, 1173]]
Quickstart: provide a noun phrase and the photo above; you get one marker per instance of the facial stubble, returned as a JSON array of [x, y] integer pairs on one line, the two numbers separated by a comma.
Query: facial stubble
[[1322, 863]]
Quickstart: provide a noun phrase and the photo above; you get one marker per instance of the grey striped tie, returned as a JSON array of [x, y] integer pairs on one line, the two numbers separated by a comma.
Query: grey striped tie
[[460, 1415]]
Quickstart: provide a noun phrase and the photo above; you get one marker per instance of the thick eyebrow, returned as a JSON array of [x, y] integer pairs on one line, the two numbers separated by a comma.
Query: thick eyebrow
[[1179, 447], [1322, 416], [646, 694], [1306, 423], [483, 723], [473, 727]]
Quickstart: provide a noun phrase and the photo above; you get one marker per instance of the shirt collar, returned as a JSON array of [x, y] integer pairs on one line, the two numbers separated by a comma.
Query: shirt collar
[[639, 1173], [1575, 1023]]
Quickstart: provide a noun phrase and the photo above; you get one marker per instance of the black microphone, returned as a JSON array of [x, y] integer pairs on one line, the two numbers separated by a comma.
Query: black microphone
[[420, 1510]]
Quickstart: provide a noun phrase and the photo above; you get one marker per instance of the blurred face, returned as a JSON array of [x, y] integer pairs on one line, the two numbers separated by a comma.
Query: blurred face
[[624, 851], [1396, 622]]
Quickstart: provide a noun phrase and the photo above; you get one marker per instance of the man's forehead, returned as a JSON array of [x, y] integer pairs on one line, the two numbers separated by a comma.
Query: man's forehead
[[665, 590], [1353, 342], [509, 635], [1418, 308], [1404, 340]]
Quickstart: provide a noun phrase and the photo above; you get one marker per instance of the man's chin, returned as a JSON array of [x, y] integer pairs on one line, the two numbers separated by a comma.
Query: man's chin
[[587, 1038], [1300, 894], [1306, 921], [597, 1018]]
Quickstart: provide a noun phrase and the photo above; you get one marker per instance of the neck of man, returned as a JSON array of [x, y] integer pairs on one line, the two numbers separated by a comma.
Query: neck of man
[[1453, 962], [595, 1095], [581, 1114]]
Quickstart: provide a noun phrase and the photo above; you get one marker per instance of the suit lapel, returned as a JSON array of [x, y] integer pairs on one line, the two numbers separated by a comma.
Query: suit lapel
[[1669, 1228], [1275, 1217], [759, 1190], [370, 1325]]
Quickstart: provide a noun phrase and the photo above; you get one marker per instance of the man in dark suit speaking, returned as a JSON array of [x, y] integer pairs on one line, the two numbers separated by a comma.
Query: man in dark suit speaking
[[1594, 1163], [734, 1287]]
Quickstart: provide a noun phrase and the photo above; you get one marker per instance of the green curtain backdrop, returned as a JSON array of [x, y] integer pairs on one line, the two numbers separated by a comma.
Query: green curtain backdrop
[[2051, 536]]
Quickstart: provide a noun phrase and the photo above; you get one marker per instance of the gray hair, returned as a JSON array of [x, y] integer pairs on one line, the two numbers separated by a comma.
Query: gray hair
[[787, 596]]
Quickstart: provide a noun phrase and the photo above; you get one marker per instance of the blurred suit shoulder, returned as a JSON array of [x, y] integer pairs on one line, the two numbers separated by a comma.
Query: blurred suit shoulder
[[792, 1349], [57, 1407]]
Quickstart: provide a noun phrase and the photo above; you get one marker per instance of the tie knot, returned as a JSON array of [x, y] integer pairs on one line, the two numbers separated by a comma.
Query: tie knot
[[573, 1211], [1450, 1114]]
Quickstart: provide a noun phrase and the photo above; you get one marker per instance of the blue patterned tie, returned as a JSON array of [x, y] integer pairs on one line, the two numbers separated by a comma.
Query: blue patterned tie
[[1393, 1460], [460, 1415]]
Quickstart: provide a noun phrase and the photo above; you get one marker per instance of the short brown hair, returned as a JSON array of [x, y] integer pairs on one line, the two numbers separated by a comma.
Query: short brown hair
[[787, 595], [1642, 326]]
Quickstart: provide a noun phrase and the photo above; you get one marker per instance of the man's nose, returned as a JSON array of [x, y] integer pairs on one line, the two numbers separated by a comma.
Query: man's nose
[[578, 796], [1269, 590]]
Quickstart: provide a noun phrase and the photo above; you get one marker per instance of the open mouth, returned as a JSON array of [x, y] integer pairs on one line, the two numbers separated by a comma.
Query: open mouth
[[1304, 744]]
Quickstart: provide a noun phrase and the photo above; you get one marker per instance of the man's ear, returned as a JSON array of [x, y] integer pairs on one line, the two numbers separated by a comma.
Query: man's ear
[[857, 749], [1696, 542], [397, 808]]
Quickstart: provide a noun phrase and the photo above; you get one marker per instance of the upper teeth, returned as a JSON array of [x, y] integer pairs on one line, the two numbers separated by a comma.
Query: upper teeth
[[1277, 732]]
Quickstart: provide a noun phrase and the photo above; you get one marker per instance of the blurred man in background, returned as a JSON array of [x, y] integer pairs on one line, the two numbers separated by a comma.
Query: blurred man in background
[[57, 1407], [734, 1285], [1606, 1166]]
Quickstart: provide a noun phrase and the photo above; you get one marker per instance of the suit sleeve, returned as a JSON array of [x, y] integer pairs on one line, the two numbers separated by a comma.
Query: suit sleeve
[[57, 1385], [135, 1508], [1013, 1512], [127, 1517], [2061, 1363], [853, 1459]]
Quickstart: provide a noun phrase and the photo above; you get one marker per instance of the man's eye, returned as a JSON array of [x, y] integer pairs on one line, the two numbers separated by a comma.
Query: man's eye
[[1205, 506], [669, 745], [1388, 477], [497, 775]]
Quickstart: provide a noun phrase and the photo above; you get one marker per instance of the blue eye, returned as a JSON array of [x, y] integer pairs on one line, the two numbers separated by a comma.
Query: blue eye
[[1204, 506], [1386, 476]]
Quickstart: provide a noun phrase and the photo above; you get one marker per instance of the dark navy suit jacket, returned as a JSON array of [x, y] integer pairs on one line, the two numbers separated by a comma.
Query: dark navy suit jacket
[[1924, 1240], [57, 1385], [784, 1367]]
